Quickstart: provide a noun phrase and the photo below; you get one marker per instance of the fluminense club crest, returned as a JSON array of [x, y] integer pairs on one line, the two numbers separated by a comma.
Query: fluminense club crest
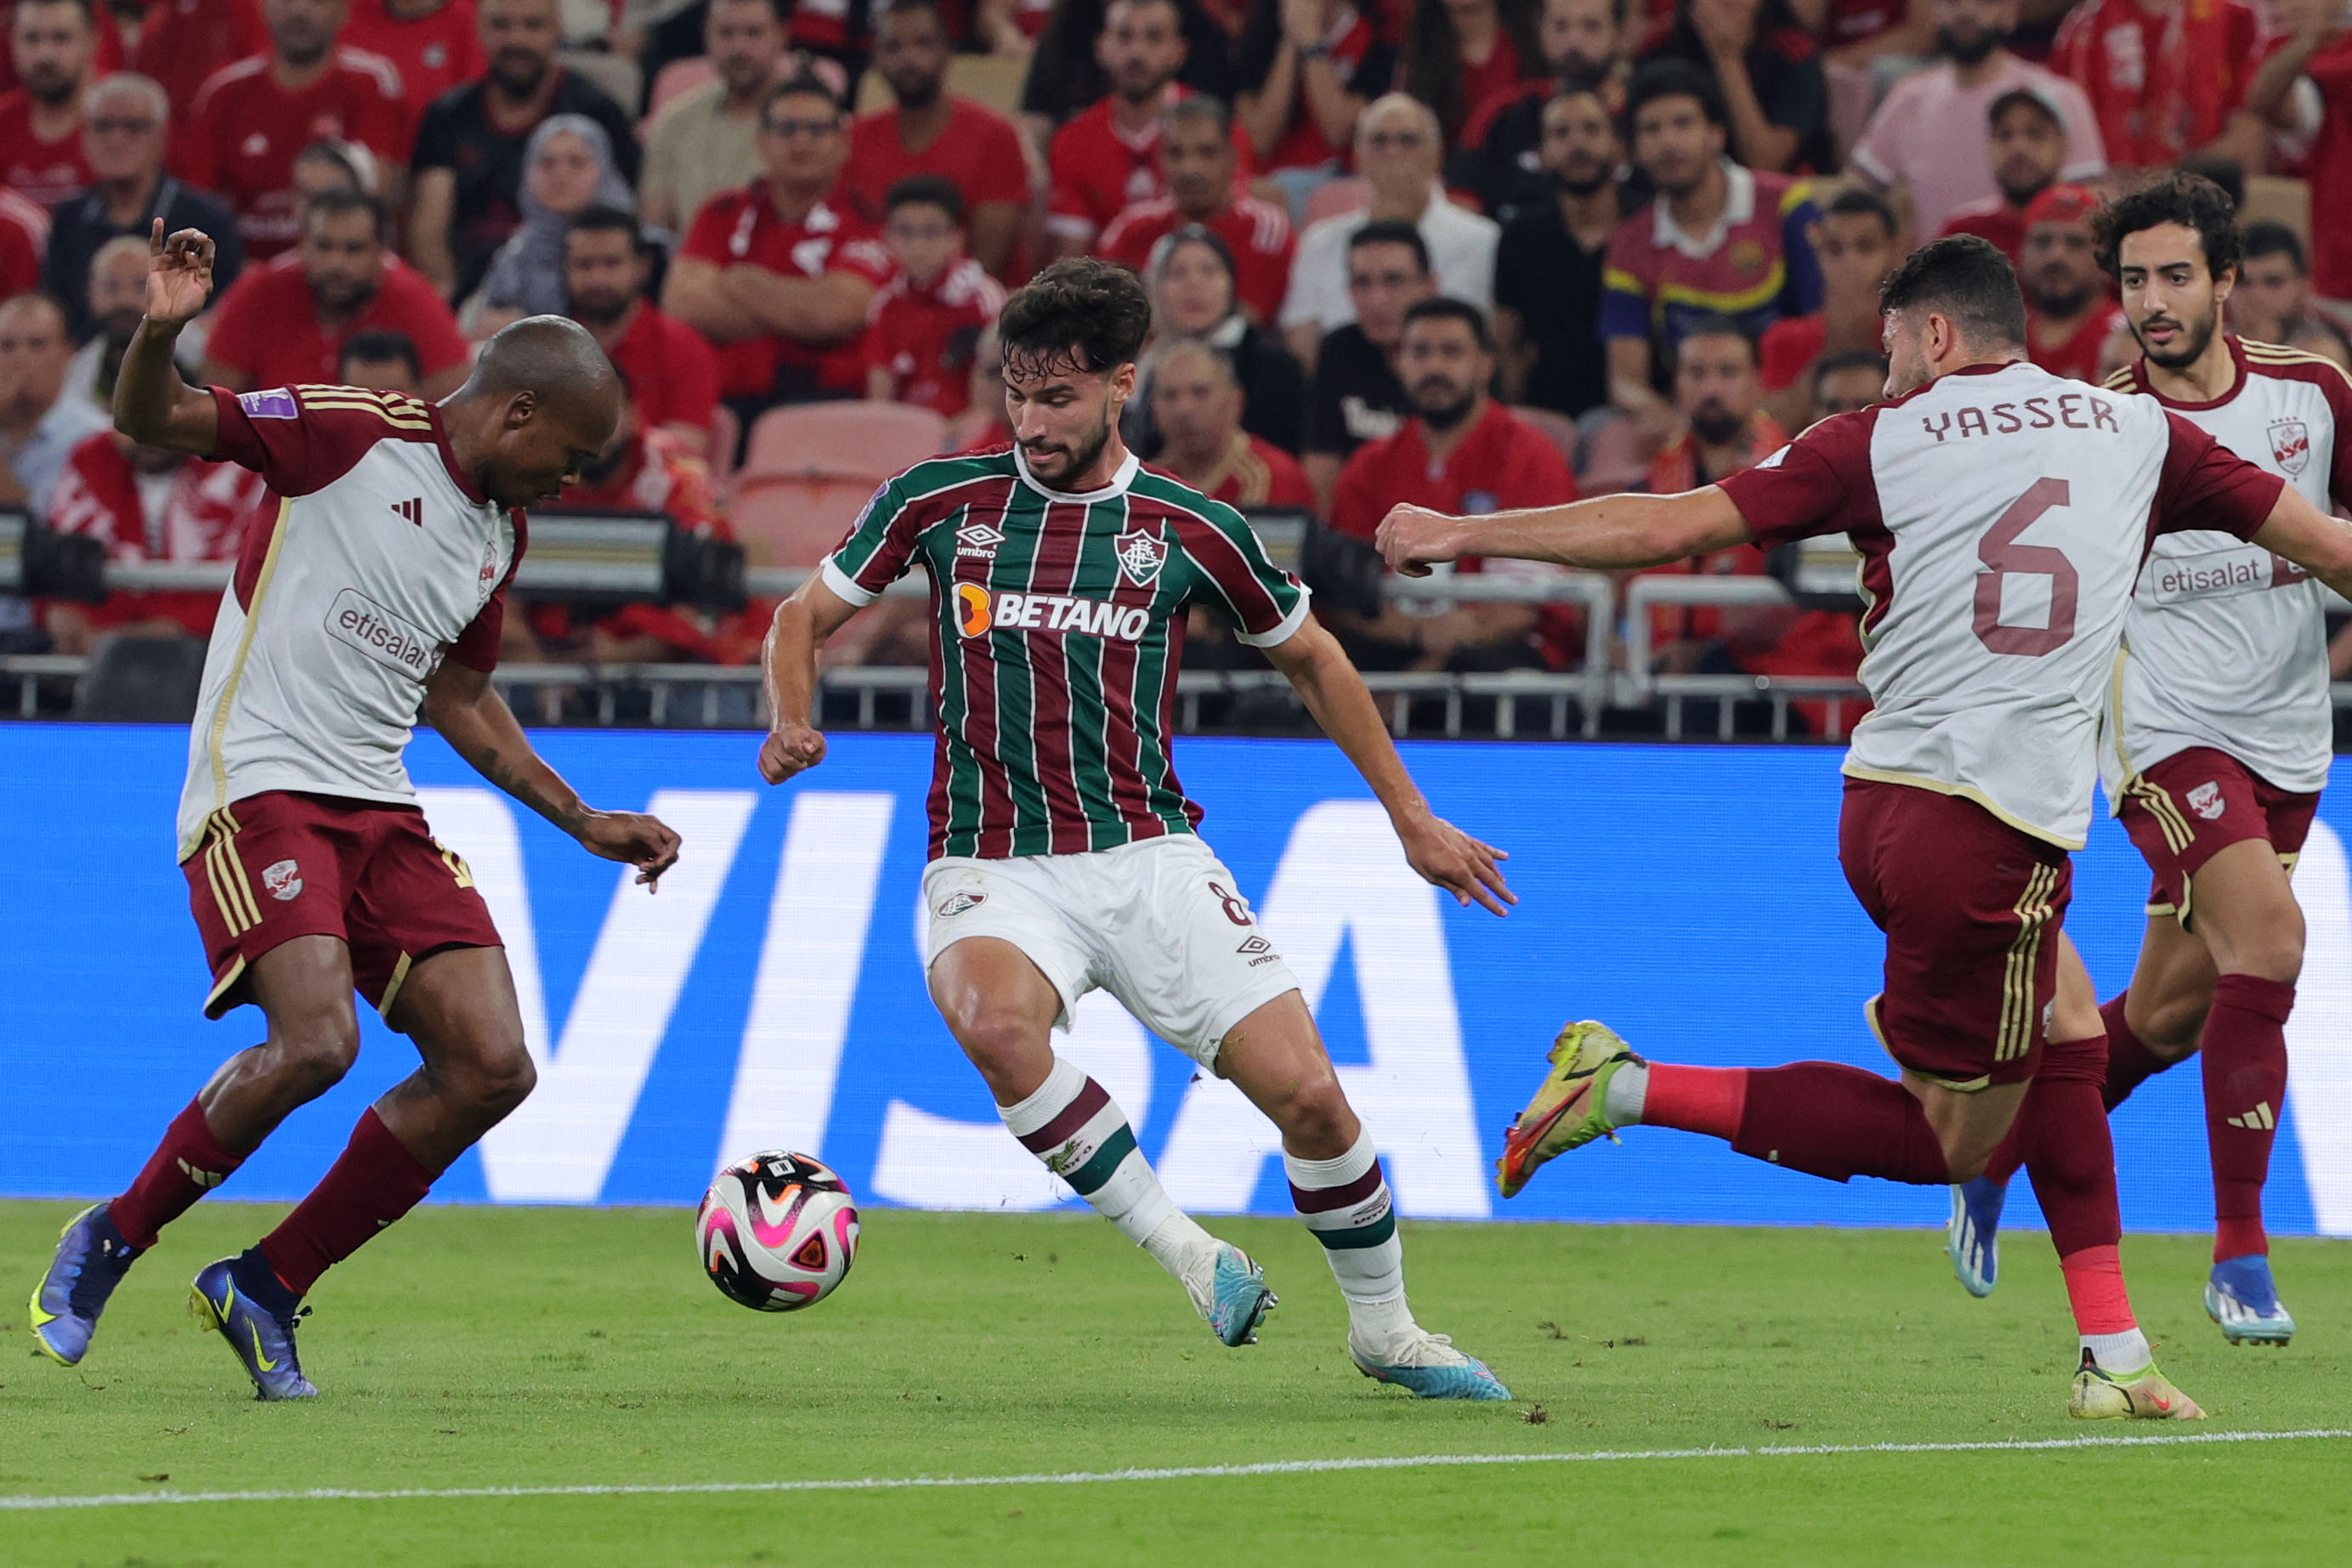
[[2291, 445], [1140, 557]]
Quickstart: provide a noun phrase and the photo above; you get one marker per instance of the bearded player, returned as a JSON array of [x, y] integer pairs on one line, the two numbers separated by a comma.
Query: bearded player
[[1063, 855], [2216, 741], [372, 585], [1996, 612]]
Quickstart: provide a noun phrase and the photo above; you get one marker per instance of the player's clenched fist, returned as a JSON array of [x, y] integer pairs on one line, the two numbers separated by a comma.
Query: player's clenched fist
[[789, 748], [633, 839], [179, 275], [1413, 538]]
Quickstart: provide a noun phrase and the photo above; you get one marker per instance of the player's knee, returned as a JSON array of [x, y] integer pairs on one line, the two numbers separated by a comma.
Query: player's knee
[[314, 1053], [1314, 1116], [502, 1077], [997, 1037]]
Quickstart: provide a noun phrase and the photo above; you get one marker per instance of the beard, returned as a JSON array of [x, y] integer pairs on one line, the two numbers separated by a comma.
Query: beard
[[1082, 457], [1442, 416], [1581, 188], [916, 92], [1715, 425], [2062, 301], [1970, 51], [2187, 349], [2020, 196], [601, 312], [519, 71], [1583, 76]]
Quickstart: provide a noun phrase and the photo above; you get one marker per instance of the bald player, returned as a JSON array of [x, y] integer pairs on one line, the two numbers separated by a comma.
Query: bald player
[[372, 585]]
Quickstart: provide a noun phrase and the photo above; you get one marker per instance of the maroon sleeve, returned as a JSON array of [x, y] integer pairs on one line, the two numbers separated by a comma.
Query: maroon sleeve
[[297, 449], [1819, 482], [2337, 389], [477, 646], [2207, 486]]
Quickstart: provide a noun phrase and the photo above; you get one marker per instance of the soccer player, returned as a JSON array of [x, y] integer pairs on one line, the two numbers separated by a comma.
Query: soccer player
[[2216, 741], [2001, 513], [1063, 855], [372, 586]]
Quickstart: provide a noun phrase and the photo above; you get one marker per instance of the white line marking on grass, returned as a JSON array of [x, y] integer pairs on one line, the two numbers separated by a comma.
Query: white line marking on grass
[[1182, 1473]]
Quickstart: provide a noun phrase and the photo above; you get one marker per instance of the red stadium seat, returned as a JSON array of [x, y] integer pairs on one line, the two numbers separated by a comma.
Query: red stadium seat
[[809, 467], [726, 438], [1554, 427], [677, 77], [1333, 197], [796, 522]]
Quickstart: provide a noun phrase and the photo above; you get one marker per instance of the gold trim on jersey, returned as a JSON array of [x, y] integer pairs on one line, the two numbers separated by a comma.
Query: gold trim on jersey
[[2033, 909], [396, 409], [1969, 793], [236, 666]]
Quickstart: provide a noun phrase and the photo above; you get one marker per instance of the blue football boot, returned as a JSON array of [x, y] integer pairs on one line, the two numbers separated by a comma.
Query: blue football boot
[[1428, 1364], [1973, 1238], [1231, 1294], [2243, 1300], [262, 1337], [91, 1258]]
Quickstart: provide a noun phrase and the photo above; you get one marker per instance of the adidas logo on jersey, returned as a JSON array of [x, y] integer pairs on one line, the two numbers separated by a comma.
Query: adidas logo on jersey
[[979, 611], [411, 512]]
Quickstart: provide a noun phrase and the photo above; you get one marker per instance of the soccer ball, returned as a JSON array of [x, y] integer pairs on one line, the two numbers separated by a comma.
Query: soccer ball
[[777, 1231]]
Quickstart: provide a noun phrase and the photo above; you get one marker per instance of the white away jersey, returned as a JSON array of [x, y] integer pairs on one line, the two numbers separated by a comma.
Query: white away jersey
[[370, 558], [2226, 644], [2001, 513]]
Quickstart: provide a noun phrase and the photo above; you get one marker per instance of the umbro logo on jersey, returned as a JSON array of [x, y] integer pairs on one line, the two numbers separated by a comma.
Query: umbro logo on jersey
[[411, 512], [1140, 557], [2207, 802], [978, 542], [1255, 945], [977, 611]]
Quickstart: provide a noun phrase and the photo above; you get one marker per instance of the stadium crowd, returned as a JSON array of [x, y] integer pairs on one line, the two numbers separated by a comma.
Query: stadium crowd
[[1475, 254]]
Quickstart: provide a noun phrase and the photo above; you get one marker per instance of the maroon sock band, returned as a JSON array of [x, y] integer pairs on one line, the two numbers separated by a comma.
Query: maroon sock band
[[2061, 1133], [373, 1182], [2244, 1052], [189, 1163], [2129, 1062], [1829, 1119]]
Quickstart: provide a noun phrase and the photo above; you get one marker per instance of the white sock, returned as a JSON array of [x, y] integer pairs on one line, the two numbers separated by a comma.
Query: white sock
[[1074, 1125], [1345, 1202], [2120, 1354], [1628, 1095]]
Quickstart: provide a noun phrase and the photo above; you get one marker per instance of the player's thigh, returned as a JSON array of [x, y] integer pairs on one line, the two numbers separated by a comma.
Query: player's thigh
[[2074, 1002], [303, 987], [269, 869], [1276, 1057], [2246, 912], [459, 1008], [1970, 1124], [2182, 811], [2171, 988], [1179, 945], [1005, 960]]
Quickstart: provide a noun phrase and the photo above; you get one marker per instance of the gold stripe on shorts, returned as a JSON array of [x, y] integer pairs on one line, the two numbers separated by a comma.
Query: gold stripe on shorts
[[2177, 834], [231, 890], [2033, 909]]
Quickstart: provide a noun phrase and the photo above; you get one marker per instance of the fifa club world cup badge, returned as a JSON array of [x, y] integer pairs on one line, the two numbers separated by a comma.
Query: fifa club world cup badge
[[2291, 445], [1140, 557]]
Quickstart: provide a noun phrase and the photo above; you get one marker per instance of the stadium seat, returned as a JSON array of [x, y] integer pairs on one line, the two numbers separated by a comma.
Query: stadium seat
[[2279, 199], [1611, 452], [1333, 197], [616, 74], [676, 79], [142, 679], [1557, 428], [808, 469], [726, 440], [796, 522]]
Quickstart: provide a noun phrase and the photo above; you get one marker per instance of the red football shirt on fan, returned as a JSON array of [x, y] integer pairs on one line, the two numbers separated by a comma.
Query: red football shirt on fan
[[743, 226], [925, 334], [184, 42], [1352, 39], [266, 327], [1788, 348], [433, 53], [2162, 85], [2328, 167], [673, 372], [979, 153], [48, 172], [1995, 222], [200, 516], [2078, 355], [1097, 169], [105, 59], [1258, 232], [1501, 464], [1856, 21], [1480, 83], [245, 131], [24, 236]]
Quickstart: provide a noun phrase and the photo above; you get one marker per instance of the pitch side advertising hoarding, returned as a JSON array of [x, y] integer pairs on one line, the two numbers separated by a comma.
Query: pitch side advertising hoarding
[[772, 995]]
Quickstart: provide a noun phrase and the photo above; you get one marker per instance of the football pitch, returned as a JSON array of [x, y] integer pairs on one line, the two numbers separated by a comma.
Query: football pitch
[[562, 1386]]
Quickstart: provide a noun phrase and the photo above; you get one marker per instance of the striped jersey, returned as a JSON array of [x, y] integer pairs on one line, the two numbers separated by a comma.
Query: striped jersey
[[1057, 627], [2226, 644], [371, 558]]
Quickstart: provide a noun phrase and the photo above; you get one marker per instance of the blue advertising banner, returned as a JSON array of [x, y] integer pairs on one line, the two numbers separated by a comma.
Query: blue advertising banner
[[773, 995]]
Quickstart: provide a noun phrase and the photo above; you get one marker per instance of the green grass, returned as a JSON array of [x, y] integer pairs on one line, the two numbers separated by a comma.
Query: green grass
[[496, 1347]]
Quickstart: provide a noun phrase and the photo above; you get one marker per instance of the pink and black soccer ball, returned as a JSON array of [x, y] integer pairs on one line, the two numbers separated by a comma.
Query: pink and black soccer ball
[[777, 1231]]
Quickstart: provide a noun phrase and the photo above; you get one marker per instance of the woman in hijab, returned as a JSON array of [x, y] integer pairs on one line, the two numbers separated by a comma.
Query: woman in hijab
[[1191, 276], [567, 168]]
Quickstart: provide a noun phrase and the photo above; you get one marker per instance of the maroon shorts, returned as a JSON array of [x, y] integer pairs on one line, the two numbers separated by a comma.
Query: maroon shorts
[[278, 866], [2194, 804], [1971, 908]]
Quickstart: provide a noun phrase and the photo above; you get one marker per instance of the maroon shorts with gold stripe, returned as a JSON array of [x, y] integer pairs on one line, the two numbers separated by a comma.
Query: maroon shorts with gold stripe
[[1971, 908], [2194, 804], [281, 864]]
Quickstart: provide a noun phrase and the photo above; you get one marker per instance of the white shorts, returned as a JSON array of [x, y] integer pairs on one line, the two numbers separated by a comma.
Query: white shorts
[[1161, 924]]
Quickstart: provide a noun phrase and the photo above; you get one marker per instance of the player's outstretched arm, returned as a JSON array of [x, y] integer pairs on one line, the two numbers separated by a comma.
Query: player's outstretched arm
[[152, 405], [1607, 533], [460, 701], [2308, 537], [788, 663], [1317, 668]]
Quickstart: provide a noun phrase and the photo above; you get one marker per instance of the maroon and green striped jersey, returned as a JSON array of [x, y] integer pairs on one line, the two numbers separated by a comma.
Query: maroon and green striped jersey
[[1057, 627]]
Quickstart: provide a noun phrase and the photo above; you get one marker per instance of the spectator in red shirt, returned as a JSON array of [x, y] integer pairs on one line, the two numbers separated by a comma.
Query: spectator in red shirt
[[52, 44], [1856, 245], [1196, 412], [1104, 158], [673, 375], [2166, 78], [930, 131], [380, 361], [253, 118], [2305, 89], [287, 321], [182, 42], [1464, 453], [924, 327], [2068, 312], [147, 503], [1457, 54], [1196, 165], [434, 45], [1585, 48], [775, 275], [1306, 69], [2028, 152]]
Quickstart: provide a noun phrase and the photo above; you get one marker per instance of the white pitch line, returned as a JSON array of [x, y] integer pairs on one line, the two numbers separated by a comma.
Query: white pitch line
[[1188, 1472]]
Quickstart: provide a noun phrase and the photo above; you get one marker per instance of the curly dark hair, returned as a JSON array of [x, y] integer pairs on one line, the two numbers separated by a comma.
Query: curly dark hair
[[1083, 310], [2192, 201], [1966, 279]]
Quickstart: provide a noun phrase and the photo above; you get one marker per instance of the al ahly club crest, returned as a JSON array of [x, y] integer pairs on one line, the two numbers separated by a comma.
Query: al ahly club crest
[[2291, 445]]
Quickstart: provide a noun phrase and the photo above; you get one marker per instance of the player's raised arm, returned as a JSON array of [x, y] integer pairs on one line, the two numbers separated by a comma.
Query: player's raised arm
[[1607, 533], [460, 701], [153, 404], [788, 663], [1318, 669]]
